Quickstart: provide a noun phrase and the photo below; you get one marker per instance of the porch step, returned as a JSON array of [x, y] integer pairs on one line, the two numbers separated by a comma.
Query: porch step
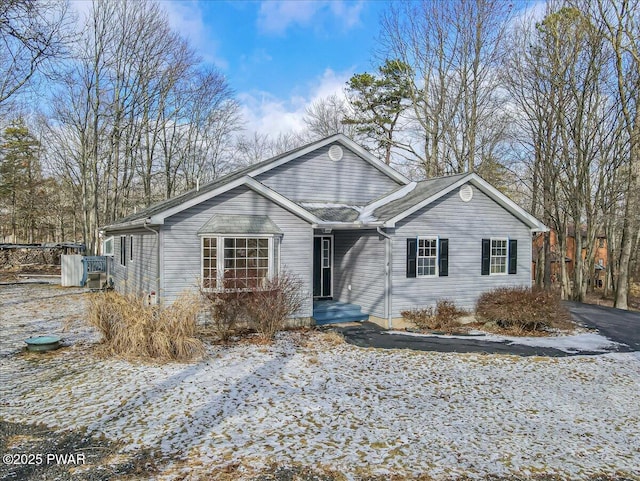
[[329, 312]]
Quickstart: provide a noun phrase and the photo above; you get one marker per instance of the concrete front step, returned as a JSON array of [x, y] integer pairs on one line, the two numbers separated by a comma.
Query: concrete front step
[[325, 306], [330, 311], [337, 320]]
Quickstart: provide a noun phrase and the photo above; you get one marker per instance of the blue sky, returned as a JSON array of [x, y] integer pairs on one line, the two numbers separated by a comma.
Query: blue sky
[[280, 56]]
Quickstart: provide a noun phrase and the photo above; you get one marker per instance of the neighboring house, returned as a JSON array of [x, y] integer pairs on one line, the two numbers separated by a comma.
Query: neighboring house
[[600, 255], [350, 227]]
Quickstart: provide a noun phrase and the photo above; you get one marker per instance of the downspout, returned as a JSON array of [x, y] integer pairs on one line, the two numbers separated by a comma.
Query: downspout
[[157, 233], [387, 279]]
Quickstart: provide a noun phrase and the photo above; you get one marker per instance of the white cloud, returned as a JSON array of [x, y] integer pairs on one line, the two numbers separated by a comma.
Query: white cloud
[[268, 114], [186, 18], [276, 16]]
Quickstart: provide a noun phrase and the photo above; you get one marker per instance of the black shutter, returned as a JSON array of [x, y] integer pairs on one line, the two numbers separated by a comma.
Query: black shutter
[[411, 257], [513, 256], [443, 256], [486, 256]]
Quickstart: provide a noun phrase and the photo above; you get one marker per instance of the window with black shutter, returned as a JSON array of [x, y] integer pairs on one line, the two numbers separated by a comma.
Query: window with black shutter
[[411, 257], [513, 256], [443, 258], [486, 257]]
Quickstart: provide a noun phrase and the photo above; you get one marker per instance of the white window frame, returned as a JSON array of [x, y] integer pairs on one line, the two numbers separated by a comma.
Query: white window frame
[[272, 268], [436, 257], [506, 256], [107, 246]]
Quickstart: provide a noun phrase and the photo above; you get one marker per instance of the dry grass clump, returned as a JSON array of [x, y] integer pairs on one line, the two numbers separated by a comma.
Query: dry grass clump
[[332, 338], [444, 317], [133, 330], [521, 310]]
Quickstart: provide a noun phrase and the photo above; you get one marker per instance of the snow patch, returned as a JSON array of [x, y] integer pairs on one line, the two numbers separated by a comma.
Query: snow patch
[[571, 344], [365, 213], [357, 411]]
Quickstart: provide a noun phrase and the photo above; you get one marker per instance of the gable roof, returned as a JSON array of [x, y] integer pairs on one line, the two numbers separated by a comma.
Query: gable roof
[[385, 211], [161, 210], [428, 191]]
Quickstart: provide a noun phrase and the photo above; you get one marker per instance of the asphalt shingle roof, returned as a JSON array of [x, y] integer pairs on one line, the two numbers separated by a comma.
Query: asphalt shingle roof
[[225, 179], [423, 190], [239, 224]]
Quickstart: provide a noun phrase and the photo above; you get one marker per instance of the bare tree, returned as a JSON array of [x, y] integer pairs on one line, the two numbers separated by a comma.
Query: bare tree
[[132, 112], [326, 116], [619, 22], [32, 33], [453, 49]]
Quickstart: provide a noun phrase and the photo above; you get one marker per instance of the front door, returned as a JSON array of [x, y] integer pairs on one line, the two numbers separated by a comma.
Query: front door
[[322, 260]]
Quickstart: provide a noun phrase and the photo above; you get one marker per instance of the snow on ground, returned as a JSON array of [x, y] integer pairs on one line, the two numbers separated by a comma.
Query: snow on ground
[[357, 411], [573, 343]]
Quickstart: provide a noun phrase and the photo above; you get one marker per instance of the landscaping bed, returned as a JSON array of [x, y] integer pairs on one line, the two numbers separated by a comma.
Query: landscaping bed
[[308, 405]]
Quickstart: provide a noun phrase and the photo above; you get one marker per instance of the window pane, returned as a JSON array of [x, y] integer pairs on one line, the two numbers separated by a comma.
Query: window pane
[[498, 256], [209, 263], [426, 257], [246, 262]]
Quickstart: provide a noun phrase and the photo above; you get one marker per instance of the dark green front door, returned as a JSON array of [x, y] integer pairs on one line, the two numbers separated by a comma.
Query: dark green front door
[[322, 259]]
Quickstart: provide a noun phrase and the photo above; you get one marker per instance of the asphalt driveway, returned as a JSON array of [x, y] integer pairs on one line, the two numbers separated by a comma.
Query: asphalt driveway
[[616, 324], [619, 326]]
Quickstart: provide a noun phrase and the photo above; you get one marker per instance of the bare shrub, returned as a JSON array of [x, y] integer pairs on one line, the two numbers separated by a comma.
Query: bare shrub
[[134, 330], [521, 309], [227, 309], [445, 316], [269, 306]]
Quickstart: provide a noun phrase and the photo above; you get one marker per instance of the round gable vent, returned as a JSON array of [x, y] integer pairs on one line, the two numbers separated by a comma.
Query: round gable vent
[[335, 153], [466, 193]]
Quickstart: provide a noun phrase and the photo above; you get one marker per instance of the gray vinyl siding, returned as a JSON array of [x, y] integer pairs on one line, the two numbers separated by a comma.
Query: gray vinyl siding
[[182, 251], [139, 276], [465, 225], [315, 177], [359, 261]]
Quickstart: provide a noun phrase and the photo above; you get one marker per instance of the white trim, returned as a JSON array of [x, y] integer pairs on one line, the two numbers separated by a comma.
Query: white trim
[[250, 183], [346, 142], [506, 261], [105, 241], [332, 250], [534, 224], [271, 267], [398, 194], [428, 237]]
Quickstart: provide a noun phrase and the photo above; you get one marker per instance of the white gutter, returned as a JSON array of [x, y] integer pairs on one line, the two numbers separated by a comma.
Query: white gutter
[[157, 233], [388, 303]]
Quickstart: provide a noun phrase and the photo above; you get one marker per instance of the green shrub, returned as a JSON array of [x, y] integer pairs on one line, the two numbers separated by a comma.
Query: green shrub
[[445, 316], [523, 309]]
